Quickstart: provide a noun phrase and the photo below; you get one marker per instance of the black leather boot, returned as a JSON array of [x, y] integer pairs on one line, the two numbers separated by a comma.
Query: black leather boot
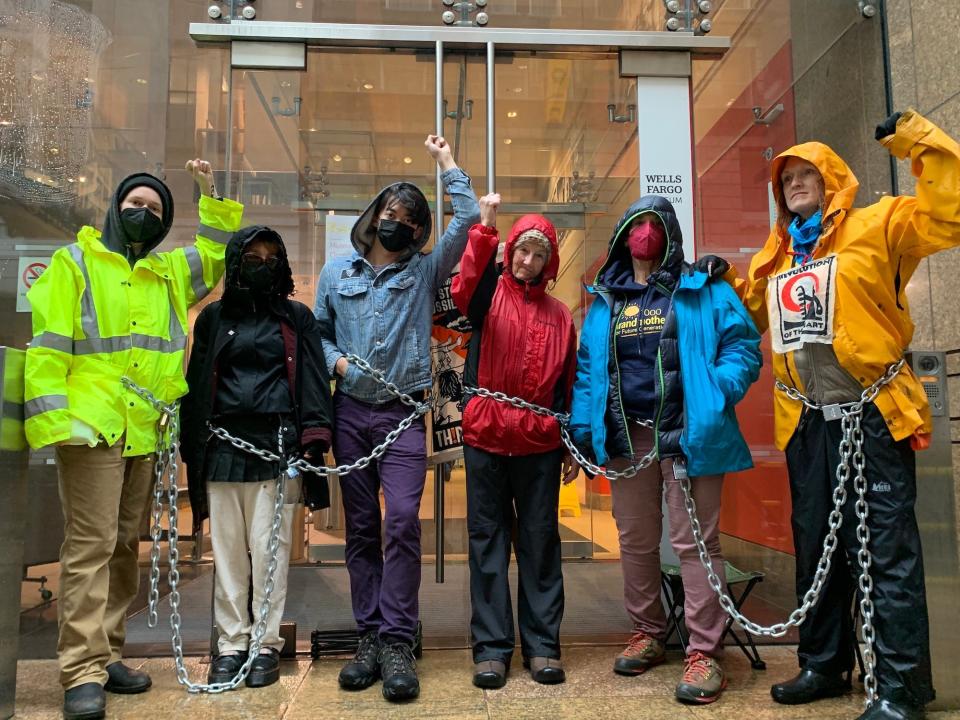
[[223, 668], [126, 681], [265, 669], [888, 710], [808, 686], [84, 702]]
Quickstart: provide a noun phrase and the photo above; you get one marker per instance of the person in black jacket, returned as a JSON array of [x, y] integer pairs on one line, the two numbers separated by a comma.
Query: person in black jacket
[[256, 370]]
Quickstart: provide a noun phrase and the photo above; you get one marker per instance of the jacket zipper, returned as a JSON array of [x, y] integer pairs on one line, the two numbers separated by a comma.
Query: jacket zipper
[[662, 393], [523, 334], [616, 364]]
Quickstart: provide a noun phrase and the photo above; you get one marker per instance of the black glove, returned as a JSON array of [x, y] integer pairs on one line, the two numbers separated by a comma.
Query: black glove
[[711, 265], [887, 127]]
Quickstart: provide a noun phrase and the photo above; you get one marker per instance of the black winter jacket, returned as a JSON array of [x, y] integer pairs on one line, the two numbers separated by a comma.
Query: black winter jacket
[[306, 371], [668, 416]]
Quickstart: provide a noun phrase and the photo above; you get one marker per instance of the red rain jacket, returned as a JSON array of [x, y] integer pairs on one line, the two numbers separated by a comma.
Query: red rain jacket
[[523, 344]]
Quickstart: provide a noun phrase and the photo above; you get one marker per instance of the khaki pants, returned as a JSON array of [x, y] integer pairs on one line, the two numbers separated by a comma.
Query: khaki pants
[[241, 519], [105, 497]]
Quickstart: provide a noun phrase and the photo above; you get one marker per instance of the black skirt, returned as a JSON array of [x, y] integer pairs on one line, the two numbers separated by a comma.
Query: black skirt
[[225, 463]]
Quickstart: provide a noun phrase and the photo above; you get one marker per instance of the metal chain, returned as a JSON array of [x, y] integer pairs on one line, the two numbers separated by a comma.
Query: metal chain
[[419, 408], [166, 411], [851, 451], [388, 386], [519, 402], [167, 450], [594, 469], [564, 420], [305, 467], [168, 441], [865, 560]]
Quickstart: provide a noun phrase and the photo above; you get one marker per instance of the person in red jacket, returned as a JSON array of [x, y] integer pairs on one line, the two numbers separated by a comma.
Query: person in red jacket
[[524, 344]]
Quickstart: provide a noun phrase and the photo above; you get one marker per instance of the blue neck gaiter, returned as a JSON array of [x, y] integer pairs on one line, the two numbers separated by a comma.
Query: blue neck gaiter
[[805, 235]]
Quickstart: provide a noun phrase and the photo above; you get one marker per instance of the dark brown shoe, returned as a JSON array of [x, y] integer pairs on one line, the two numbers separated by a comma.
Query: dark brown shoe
[[490, 674], [546, 671]]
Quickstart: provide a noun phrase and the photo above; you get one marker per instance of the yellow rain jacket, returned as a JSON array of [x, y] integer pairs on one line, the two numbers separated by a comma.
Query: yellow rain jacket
[[95, 320], [876, 251]]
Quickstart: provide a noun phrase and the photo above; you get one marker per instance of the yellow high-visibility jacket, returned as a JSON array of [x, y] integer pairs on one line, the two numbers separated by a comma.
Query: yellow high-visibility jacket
[[876, 249], [95, 320]]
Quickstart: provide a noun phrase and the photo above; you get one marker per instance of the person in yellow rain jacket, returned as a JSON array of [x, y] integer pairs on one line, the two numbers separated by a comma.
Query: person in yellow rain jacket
[[829, 284], [108, 306]]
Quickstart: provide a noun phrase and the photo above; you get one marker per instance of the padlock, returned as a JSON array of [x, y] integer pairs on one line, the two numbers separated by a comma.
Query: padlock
[[832, 412]]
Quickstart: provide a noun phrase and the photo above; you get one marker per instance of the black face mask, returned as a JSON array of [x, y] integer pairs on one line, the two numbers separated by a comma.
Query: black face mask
[[394, 235], [260, 279], [140, 226]]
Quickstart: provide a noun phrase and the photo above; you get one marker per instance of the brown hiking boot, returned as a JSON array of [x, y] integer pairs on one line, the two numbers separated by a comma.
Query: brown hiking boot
[[642, 653], [703, 679]]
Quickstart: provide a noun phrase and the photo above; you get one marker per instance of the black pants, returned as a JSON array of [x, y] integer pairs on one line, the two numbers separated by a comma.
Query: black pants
[[499, 489], [899, 595]]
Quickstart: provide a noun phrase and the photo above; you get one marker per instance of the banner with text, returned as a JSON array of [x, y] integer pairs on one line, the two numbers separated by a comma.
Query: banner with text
[[451, 332]]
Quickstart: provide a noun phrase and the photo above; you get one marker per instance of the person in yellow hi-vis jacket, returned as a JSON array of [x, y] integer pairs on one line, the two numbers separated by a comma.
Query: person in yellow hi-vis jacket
[[829, 284], [108, 306]]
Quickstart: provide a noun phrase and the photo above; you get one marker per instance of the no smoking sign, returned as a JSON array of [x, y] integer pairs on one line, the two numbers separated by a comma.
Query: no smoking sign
[[29, 269]]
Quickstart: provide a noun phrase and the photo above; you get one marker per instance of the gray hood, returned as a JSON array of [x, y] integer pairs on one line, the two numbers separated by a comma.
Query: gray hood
[[364, 231]]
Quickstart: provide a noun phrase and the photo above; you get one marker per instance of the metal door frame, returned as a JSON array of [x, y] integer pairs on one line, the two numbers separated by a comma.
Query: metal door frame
[[641, 54]]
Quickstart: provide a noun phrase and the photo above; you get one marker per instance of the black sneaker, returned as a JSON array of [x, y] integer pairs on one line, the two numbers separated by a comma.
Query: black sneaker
[[364, 670], [399, 671]]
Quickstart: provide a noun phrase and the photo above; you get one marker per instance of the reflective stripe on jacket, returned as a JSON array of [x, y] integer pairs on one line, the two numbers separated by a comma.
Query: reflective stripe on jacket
[[95, 320], [877, 249]]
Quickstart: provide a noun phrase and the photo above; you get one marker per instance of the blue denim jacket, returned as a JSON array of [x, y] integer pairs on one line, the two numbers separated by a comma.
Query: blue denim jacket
[[386, 317]]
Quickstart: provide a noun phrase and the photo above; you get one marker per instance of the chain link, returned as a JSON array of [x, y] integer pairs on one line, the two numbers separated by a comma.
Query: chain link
[[564, 420], [851, 451], [165, 466], [168, 448]]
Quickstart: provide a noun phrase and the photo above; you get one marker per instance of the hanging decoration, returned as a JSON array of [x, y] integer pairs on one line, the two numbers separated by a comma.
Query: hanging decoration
[[49, 51]]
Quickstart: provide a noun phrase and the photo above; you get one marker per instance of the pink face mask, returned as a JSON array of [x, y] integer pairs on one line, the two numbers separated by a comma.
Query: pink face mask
[[647, 241]]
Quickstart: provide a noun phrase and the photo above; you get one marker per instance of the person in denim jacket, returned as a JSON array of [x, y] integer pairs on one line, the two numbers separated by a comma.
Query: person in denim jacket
[[378, 304]]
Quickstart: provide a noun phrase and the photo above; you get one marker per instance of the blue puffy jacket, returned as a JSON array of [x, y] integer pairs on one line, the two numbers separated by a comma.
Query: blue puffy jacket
[[719, 349]]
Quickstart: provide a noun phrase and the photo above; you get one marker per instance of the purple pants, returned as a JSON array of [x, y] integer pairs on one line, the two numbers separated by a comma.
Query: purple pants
[[384, 576]]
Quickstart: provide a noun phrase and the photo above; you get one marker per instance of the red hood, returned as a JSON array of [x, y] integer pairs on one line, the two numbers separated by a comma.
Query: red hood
[[550, 270]]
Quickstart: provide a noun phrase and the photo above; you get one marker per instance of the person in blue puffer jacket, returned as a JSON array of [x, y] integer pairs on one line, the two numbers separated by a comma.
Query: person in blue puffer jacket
[[663, 345]]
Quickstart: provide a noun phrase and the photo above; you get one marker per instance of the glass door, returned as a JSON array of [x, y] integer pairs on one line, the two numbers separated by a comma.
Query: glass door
[[565, 143], [309, 150]]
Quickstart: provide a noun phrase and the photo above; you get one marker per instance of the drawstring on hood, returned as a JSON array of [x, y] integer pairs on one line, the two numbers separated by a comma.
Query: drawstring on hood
[[136, 225]]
